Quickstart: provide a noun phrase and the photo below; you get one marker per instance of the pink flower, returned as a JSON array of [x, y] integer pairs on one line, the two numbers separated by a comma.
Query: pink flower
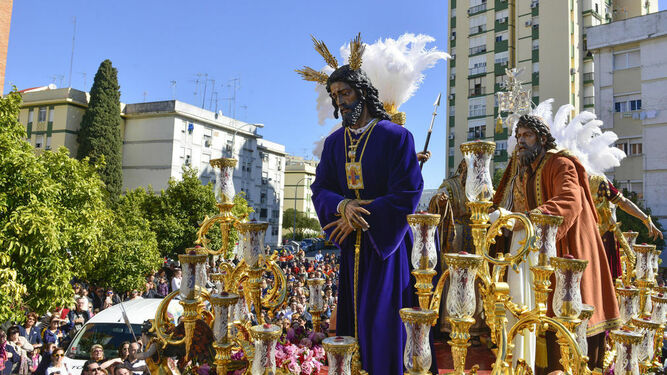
[[307, 368], [294, 367], [291, 350], [319, 352]]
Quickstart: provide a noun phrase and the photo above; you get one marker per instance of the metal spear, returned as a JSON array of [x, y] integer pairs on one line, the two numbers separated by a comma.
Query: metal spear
[[430, 128]]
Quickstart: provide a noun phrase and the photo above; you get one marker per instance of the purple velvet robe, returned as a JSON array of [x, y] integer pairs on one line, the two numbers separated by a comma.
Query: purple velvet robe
[[392, 179]]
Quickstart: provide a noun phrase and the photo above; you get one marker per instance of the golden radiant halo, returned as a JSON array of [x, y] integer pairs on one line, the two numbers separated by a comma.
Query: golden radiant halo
[[427, 219], [356, 53]]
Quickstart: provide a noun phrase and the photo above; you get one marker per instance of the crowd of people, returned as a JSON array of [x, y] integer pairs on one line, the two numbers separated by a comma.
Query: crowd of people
[[38, 345]]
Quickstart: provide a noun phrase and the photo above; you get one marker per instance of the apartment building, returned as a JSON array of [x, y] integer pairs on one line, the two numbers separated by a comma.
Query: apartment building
[[299, 175], [631, 98], [160, 138], [544, 38]]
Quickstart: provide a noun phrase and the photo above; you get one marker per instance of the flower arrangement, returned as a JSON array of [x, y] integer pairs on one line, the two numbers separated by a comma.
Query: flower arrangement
[[300, 352]]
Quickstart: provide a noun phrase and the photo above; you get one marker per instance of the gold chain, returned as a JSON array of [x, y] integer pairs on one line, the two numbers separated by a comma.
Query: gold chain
[[347, 134]]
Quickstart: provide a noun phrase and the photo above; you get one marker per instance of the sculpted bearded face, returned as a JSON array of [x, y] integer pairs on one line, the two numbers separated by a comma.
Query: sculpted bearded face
[[347, 100], [529, 145]]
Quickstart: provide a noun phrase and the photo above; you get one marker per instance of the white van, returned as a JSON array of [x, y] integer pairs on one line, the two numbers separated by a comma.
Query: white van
[[108, 328]]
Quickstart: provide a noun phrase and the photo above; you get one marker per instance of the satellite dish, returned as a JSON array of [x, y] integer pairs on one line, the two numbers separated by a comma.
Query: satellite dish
[[52, 86]]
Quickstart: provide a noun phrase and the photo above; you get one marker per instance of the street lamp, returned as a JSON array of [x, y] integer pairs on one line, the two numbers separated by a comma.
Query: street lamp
[[296, 190], [236, 131]]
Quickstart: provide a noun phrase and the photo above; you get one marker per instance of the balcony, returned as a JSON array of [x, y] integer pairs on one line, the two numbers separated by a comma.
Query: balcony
[[535, 8], [452, 22], [536, 31], [477, 9], [536, 99], [500, 5], [536, 78], [477, 29], [589, 101], [502, 135], [536, 55], [452, 63], [588, 77], [477, 70], [452, 43], [476, 134], [500, 156], [479, 112], [477, 91], [476, 50], [499, 68], [501, 26], [501, 46]]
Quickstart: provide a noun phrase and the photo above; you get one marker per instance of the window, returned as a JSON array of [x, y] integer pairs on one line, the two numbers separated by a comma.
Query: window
[[228, 148], [274, 230], [476, 86], [502, 15], [476, 107], [452, 110], [501, 36], [265, 178], [453, 13], [51, 110], [501, 58], [41, 117], [39, 141], [536, 44], [625, 60], [536, 67], [207, 141], [477, 44], [188, 159], [635, 148], [31, 114], [500, 79], [265, 156], [263, 213], [622, 105], [478, 24], [478, 132], [48, 143], [477, 65], [262, 197], [623, 146]]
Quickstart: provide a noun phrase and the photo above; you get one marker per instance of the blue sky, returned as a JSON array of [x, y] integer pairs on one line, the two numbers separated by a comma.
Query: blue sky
[[259, 42]]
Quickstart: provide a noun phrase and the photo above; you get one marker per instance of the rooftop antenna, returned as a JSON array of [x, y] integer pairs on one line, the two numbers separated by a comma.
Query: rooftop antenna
[[71, 60], [233, 97], [61, 77], [197, 83], [210, 104], [203, 100], [85, 81], [173, 89], [215, 93], [245, 111]]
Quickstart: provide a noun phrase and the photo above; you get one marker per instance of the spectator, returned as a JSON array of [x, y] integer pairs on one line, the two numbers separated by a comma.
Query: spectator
[[53, 333], [79, 316], [134, 364], [134, 294], [21, 346], [8, 357], [45, 361], [176, 280], [124, 350], [97, 355], [162, 286], [59, 364], [122, 370], [98, 299], [92, 367], [30, 332], [151, 291]]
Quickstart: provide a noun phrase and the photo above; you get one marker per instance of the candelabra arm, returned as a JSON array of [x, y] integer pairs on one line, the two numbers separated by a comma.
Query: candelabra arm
[[160, 323], [278, 293], [527, 244], [437, 293]]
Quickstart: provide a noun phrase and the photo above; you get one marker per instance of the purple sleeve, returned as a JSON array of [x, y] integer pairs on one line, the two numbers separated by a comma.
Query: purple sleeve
[[324, 188], [388, 222]]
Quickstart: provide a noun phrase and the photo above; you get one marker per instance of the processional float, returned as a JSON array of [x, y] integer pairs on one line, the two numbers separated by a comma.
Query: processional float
[[226, 312]]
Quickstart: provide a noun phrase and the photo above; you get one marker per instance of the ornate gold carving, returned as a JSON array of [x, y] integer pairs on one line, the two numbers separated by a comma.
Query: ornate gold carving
[[478, 147], [356, 52], [626, 337], [418, 315], [425, 219], [223, 163], [574, 265], [539, 218]]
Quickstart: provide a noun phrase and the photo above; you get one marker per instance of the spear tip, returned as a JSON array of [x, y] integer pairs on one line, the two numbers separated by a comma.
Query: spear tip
[[437, 101]]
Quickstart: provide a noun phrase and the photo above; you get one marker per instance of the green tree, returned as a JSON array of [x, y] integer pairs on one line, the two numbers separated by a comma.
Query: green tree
[[631, 223], [52, 209], [99, 136], [497, 176], [132, 248], [303, 223]]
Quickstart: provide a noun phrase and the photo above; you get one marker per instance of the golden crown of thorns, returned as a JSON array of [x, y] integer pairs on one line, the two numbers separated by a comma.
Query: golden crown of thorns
[[356, 52]]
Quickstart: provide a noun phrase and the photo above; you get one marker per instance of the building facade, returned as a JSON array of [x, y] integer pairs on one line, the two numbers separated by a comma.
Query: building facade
[[5, 24], [631, 98], [299, 175], [161, 138], [544, 38], [52, 117]]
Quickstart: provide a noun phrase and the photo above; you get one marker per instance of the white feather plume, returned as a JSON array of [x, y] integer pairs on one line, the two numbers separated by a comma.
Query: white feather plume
[[582, 136], [394, 67]]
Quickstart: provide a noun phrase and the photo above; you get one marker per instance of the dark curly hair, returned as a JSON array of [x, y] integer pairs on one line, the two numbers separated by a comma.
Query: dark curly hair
[[537, 124], [365, 90]]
